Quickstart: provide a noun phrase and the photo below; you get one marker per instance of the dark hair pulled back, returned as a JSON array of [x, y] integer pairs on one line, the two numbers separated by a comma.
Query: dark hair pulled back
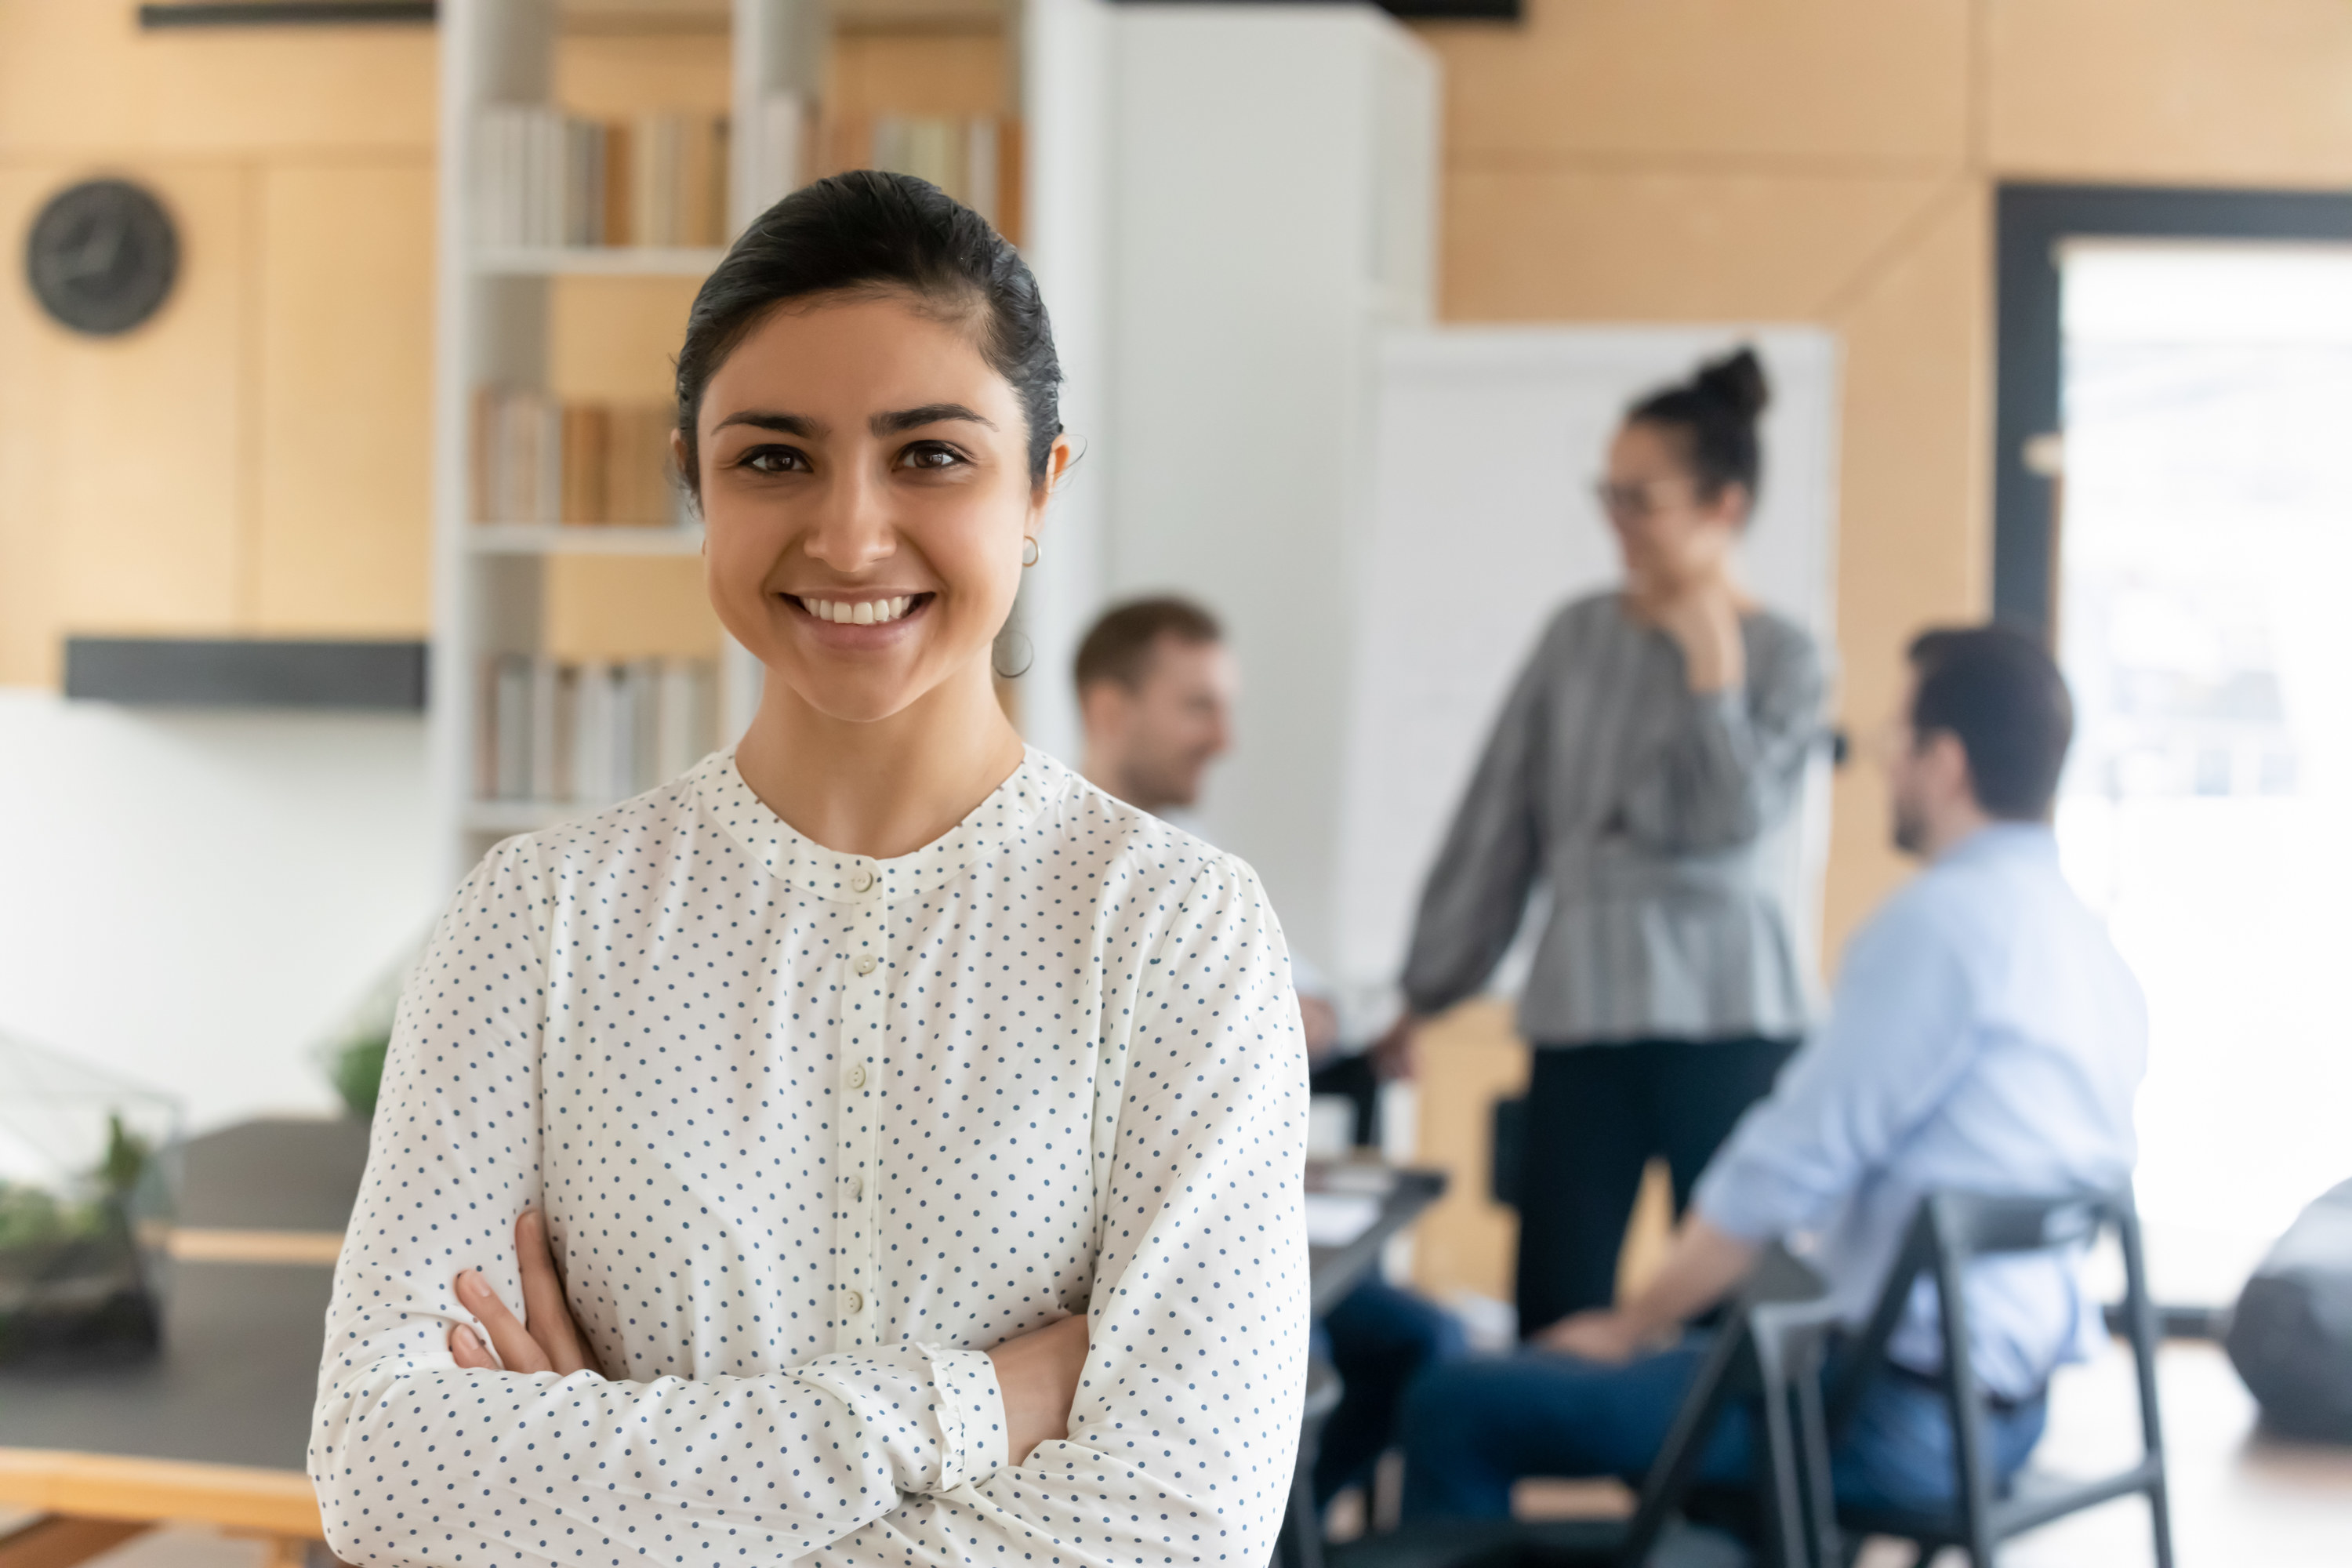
[[867, 232], [1713, 416]]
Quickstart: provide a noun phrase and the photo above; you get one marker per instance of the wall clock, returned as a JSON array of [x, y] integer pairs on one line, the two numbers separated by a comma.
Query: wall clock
[[102, 257]]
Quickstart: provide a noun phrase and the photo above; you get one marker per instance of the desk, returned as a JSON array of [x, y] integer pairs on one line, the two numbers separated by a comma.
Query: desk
[[1334, 1270], [213, 1430]]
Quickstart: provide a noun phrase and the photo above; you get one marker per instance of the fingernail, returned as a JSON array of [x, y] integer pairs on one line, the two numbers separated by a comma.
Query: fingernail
[[465, 1338], [471, 1284]]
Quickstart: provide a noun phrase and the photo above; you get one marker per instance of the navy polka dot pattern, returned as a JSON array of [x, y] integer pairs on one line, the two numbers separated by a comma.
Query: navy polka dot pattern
[[811, 1132]]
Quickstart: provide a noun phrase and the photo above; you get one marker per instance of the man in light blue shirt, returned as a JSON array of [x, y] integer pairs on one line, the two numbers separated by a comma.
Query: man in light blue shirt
[[1985, 1036]]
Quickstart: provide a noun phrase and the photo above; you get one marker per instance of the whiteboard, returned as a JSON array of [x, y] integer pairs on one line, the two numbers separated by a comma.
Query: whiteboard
[[1478, 520]]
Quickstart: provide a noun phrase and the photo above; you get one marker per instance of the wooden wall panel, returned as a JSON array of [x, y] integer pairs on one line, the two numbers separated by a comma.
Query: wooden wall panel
[[81, 77], [2171, 91], [1858, 80], [1470, 1057], [121, 484], [343, 530], [636, 74], [628, 607], [918, 73], [1914, 514], [616, 338], [1554, 244]]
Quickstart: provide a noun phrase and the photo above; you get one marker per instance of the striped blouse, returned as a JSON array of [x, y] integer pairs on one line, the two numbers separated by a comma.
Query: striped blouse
[[1655, 816]]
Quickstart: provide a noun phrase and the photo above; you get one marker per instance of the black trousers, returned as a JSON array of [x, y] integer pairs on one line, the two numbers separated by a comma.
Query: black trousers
[[1596, 1115]]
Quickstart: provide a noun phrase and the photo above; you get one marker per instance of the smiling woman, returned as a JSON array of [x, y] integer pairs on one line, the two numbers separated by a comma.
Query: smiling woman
[[877, 1145]]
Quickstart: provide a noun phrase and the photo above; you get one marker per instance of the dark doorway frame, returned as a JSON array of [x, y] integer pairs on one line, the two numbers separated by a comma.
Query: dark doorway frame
[[2029, 223]]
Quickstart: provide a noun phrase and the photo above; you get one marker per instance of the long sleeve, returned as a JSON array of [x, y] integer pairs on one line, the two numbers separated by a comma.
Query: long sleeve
[[418, 1460], [1181, 1441], [1477, 892], [1896, 1039], [1732, 769]]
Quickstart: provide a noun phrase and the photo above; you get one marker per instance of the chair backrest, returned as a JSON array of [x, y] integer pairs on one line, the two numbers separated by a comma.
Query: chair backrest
[[1953, 1230], [1508, 1147]]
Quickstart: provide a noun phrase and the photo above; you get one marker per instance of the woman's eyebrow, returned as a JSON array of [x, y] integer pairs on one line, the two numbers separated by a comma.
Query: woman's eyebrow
[[929, 414], [767, 419]]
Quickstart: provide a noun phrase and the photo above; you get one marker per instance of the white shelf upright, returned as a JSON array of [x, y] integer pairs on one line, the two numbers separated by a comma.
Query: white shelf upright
[[490, 577]]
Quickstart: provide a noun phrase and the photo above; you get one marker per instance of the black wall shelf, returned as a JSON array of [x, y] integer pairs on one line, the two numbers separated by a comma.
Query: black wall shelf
[[288, 13], [238, 672]]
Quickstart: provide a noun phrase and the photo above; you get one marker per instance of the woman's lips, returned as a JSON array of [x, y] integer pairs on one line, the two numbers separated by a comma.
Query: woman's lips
[[863, 620]]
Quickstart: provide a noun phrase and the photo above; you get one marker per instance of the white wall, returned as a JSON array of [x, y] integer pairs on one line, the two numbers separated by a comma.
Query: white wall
[[1066, 98], [192, 901], [1271, 212]]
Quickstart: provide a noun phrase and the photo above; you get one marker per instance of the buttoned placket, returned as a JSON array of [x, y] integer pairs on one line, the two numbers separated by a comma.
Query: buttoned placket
[[864, 1017]]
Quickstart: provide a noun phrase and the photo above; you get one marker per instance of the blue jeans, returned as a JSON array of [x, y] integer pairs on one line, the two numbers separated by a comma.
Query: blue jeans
[[1474, 1427], [1378, 1339]]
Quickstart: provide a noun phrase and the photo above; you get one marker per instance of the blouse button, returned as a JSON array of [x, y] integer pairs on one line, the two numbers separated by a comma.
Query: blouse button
[[856, 1186], [866, 964], [854, 1301], [862, 880], [856, 1076]]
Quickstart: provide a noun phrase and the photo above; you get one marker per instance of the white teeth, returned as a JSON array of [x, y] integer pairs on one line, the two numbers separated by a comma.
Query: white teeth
[[860, 612]]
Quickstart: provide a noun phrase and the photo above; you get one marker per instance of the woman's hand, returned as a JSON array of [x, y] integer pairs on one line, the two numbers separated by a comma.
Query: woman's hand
[[1037, 1374], [547, 1339], [1395, 1055], [1703, 616]]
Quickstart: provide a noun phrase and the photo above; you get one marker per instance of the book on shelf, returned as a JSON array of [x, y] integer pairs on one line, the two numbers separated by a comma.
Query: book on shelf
[[536, 459], [547, 179], [966, 155], [594, 731]]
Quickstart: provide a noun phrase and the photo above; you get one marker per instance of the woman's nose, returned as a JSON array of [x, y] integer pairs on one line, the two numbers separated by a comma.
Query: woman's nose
[[852, 528]]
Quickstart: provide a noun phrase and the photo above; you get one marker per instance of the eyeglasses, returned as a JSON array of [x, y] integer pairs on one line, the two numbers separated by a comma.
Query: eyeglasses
[[1630, 505]]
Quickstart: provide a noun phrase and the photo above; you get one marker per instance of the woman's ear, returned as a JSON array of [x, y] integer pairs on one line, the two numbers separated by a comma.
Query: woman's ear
[[1731, 505], [683, 463], [1058, 463]]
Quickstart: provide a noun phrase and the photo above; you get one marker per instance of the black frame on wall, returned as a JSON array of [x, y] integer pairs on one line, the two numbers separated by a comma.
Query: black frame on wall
[[2029, 223]]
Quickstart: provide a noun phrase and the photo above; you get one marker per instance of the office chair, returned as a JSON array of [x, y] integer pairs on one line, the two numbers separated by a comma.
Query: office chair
[[1951, 1231]]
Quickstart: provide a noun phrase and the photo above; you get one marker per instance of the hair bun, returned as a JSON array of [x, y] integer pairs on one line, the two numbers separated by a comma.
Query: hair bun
[[1735, 380]]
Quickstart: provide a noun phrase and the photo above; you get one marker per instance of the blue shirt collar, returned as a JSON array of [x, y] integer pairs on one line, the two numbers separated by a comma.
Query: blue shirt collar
[[2037, 840]]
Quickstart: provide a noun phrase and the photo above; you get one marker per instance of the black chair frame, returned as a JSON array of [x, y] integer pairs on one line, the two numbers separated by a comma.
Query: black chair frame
[[1750, 1357], [1951, 1231], [1740, 1363]]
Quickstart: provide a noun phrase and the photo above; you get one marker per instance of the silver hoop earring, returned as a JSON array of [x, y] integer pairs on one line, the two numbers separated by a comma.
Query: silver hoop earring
[[1029, 552]]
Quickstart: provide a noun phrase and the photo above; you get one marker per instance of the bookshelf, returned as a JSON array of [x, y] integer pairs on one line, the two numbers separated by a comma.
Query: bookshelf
[[596, 157]]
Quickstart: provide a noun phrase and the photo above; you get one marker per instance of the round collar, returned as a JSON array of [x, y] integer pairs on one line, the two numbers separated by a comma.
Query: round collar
[[793, 858]]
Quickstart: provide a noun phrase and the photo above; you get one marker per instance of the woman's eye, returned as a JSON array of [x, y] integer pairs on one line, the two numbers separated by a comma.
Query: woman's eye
[[934, 456], [773, 460]]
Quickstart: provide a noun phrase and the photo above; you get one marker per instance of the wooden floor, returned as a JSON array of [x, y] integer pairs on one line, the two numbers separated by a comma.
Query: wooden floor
[[2239, 1499]]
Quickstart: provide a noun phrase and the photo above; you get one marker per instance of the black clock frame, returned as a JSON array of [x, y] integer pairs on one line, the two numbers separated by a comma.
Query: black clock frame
[[102, 257]]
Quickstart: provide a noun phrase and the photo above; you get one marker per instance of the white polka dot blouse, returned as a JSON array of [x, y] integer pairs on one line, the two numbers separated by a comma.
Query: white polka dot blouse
[[811, 1132]]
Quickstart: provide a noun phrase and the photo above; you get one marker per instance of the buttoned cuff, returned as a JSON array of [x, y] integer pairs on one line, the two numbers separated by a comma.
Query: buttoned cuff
[[972, 1414]]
